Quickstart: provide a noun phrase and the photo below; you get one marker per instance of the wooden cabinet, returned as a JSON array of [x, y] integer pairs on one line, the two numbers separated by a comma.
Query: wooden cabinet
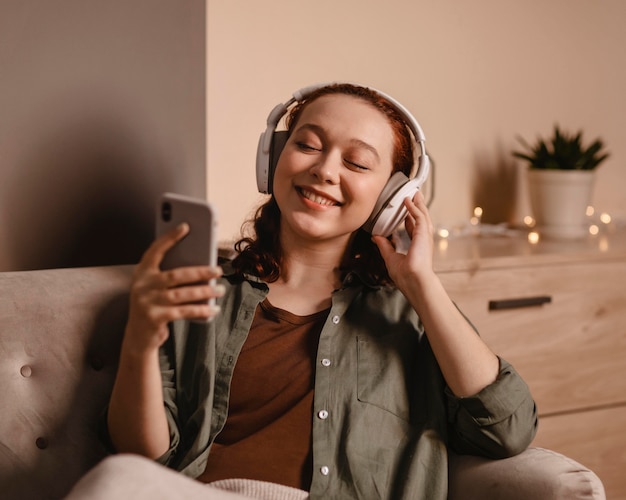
[[570, 346]]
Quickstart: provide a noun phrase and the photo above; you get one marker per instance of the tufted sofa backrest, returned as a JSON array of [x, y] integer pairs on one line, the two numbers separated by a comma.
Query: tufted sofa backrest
[[60, 332]]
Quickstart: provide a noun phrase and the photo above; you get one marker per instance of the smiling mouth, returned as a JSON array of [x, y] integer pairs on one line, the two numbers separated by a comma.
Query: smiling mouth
[[316, 198]]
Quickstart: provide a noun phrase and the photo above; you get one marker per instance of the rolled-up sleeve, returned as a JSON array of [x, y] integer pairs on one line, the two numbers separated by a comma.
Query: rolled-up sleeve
[[166, 361], [171, 411], [498, 422]]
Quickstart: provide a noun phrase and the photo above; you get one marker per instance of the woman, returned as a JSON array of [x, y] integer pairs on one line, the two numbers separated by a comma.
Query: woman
[[332, 363]]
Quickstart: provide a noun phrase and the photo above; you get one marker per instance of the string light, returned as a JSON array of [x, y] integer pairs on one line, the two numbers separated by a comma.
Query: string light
[[596, 220], [598, 223], [478, 213], [529, 221]]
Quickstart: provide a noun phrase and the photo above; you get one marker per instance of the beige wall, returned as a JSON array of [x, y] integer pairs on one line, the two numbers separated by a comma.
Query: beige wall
[[101, 109], [475, 74], [102, 104]]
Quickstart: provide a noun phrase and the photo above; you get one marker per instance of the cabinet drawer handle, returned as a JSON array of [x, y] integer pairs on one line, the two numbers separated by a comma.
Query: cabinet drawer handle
[[495, 305]]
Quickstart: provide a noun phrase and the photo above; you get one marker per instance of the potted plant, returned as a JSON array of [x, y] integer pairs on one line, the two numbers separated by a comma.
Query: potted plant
[[561, 175]]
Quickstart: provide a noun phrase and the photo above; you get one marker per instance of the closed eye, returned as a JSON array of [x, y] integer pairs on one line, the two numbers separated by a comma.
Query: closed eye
[[356, 166], [306, 147]]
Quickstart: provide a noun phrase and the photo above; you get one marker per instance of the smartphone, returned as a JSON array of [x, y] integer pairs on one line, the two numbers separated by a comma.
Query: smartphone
[[199, 246]]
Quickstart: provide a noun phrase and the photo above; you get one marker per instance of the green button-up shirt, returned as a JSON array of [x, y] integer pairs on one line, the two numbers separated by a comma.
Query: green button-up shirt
[[383, 417]]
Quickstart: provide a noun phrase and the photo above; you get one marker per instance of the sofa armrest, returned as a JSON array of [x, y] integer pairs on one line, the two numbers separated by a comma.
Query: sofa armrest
[[536, 473]]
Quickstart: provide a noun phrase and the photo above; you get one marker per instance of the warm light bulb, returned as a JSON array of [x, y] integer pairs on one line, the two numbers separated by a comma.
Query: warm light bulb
[[533, 237], [590, 211], [529, 221], [478, 212], [593, 229], [443, 233], [606, 218]]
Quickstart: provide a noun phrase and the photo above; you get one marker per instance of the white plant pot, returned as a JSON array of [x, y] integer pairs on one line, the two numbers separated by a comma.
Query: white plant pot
[[559, 201]]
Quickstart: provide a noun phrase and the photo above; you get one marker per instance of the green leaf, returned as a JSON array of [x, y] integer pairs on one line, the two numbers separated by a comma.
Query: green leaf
[[561, 151]]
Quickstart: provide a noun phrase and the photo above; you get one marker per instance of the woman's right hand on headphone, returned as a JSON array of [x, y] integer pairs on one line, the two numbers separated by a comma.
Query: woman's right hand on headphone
[[158, 297]]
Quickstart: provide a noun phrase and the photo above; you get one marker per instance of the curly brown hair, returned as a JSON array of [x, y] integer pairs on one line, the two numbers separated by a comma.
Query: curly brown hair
[[259, 251]]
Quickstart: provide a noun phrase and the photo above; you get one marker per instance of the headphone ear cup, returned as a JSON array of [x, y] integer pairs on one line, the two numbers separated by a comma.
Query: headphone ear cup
[[389, 210], [262, 165], [279, 139], [266, 162], [423, 169]]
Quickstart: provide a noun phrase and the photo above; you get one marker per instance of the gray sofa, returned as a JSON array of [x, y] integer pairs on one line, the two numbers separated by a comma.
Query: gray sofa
[[60, 332]]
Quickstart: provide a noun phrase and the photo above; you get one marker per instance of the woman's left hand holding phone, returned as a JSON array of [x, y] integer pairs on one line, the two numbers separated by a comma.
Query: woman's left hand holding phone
[[136, 417], [158, 297]]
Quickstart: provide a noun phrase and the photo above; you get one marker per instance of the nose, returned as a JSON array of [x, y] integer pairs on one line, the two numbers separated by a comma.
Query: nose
[[327, 168]]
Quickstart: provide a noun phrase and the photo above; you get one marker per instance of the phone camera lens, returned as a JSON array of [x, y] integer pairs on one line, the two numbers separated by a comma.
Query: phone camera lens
[[166, 211]]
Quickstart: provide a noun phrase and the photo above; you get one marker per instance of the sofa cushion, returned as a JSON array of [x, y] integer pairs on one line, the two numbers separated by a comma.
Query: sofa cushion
[[60, 332]]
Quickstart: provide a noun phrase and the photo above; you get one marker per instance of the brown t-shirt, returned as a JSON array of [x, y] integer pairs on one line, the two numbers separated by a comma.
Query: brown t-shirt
[[267, 435]]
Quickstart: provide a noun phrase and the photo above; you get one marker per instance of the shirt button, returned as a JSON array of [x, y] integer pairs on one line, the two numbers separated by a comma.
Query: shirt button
[[326, 362], [324, 470], [336, 319], [323, 414]]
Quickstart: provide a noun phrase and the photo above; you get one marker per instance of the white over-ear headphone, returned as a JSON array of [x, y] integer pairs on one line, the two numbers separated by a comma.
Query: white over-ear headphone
[[389, 210]]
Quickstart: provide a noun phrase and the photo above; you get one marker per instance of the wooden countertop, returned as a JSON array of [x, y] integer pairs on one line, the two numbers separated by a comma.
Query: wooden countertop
[[513, 248]]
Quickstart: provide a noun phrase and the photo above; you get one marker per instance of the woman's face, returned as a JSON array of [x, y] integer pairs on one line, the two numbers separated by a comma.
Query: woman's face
[[333, 167]]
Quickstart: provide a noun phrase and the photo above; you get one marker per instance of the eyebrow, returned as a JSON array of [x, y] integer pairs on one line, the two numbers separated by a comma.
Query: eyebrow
[[356, 142]]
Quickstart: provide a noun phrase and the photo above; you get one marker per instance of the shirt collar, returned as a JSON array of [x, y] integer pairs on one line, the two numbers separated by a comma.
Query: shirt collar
[[356, 278], [353, 278]]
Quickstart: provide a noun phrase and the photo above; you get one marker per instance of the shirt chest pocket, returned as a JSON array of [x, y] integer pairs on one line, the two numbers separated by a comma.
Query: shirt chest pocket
[[383, 374]]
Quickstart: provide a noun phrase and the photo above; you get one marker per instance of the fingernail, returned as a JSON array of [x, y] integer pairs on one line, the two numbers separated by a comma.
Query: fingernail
[[216, 270]]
